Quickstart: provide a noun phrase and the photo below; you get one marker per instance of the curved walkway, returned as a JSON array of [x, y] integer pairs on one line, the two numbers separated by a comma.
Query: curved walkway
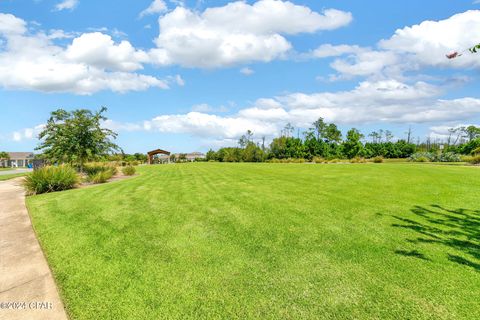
[[27, 288]]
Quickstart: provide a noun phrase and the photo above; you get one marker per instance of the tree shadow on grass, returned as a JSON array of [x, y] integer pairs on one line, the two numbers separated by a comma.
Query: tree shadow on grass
[[412, 253], [457, 229]]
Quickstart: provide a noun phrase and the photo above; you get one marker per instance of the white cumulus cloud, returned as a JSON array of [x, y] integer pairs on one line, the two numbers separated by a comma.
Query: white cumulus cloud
[[11, 25], [92, 62], [66, 5], [27, 133], [99, 50], [237, 32], [157, 6], [386, 101], [411, 48], [247, 71]]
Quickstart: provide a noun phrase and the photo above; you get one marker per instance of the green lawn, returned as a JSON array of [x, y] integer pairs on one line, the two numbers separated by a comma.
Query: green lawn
[[268, 241], [11, 176]]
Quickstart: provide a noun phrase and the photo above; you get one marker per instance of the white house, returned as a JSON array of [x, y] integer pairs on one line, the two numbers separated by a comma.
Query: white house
[[18, 159]]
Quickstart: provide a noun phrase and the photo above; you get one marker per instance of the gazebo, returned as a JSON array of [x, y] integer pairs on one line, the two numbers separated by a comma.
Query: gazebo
[[152, 153]]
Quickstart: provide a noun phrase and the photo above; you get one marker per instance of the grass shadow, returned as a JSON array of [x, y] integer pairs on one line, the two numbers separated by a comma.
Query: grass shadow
[[412, 253], [457, 229]]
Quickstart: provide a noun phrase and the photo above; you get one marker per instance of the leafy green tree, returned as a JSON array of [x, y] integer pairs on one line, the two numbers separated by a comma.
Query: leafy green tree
[[252, 153], [388, 135], [376, 137], [469, 147], [278, 148], [76, 137], [245, 139], [140, 157], [211, 155], [332, 134], [319, 128], [287, 147], [313, 147], [353, 146], [471, 132]]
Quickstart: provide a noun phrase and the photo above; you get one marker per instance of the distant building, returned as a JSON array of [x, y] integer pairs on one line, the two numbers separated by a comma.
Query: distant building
[[18, 159], [180, 157], [195, 155]]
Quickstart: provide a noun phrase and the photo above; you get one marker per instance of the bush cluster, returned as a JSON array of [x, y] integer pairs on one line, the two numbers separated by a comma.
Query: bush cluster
[[474, 160], [50, 179], [319, 160], [433, 157], [99, 172], [358, 160], [128, 170], [378, 159], [289, 160], [100, 177]]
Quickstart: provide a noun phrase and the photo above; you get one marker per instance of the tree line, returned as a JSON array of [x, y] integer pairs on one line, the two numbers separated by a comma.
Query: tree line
[[325, 140]]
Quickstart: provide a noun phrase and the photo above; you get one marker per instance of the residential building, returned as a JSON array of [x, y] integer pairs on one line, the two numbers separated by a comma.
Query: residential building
[[18, 159]]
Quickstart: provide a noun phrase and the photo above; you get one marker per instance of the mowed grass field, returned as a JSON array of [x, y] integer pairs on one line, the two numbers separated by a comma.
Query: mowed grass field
[[268, 241]]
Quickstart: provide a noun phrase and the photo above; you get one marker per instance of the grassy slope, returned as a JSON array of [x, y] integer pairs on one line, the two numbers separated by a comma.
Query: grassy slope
[[268, 241]]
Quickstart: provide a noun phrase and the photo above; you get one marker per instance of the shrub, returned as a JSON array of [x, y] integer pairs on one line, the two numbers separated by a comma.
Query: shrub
[[318, 160], [447, 157], [93, 168], [422, 157], [441, 157], [100, 177], [128, 170], [357, 160], [113, 170], [475, 160], [378, 159], [50, 179]]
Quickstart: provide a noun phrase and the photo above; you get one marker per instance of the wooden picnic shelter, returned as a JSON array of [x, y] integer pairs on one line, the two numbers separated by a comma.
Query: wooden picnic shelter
[[153, 153]]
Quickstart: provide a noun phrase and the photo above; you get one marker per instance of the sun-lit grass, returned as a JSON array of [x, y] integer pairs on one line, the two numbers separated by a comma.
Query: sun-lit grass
[[268, 241], [4, 177]]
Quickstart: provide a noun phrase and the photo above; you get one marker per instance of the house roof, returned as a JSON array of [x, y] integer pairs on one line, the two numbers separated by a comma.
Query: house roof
[[195, 155], [20, 155]]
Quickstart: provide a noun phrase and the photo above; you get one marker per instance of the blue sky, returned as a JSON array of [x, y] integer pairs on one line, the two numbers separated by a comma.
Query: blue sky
[[215, 69]]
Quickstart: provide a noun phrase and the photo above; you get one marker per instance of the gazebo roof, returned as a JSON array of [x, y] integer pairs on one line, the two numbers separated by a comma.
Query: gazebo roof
[[158, 151]]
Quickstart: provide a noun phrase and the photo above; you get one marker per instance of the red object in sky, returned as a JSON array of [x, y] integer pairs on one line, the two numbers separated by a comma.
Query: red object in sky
[[452, 55]]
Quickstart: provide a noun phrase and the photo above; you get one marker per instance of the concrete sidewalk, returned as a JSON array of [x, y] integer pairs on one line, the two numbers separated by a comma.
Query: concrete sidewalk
[[27, 288], [13, 171]]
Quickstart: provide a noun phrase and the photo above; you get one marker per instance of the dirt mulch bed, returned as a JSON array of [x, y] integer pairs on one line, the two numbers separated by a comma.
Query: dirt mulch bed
[[116, 177]]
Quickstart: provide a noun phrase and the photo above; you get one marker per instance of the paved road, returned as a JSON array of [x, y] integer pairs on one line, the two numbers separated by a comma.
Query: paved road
[[13, 171], [25, 278]]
